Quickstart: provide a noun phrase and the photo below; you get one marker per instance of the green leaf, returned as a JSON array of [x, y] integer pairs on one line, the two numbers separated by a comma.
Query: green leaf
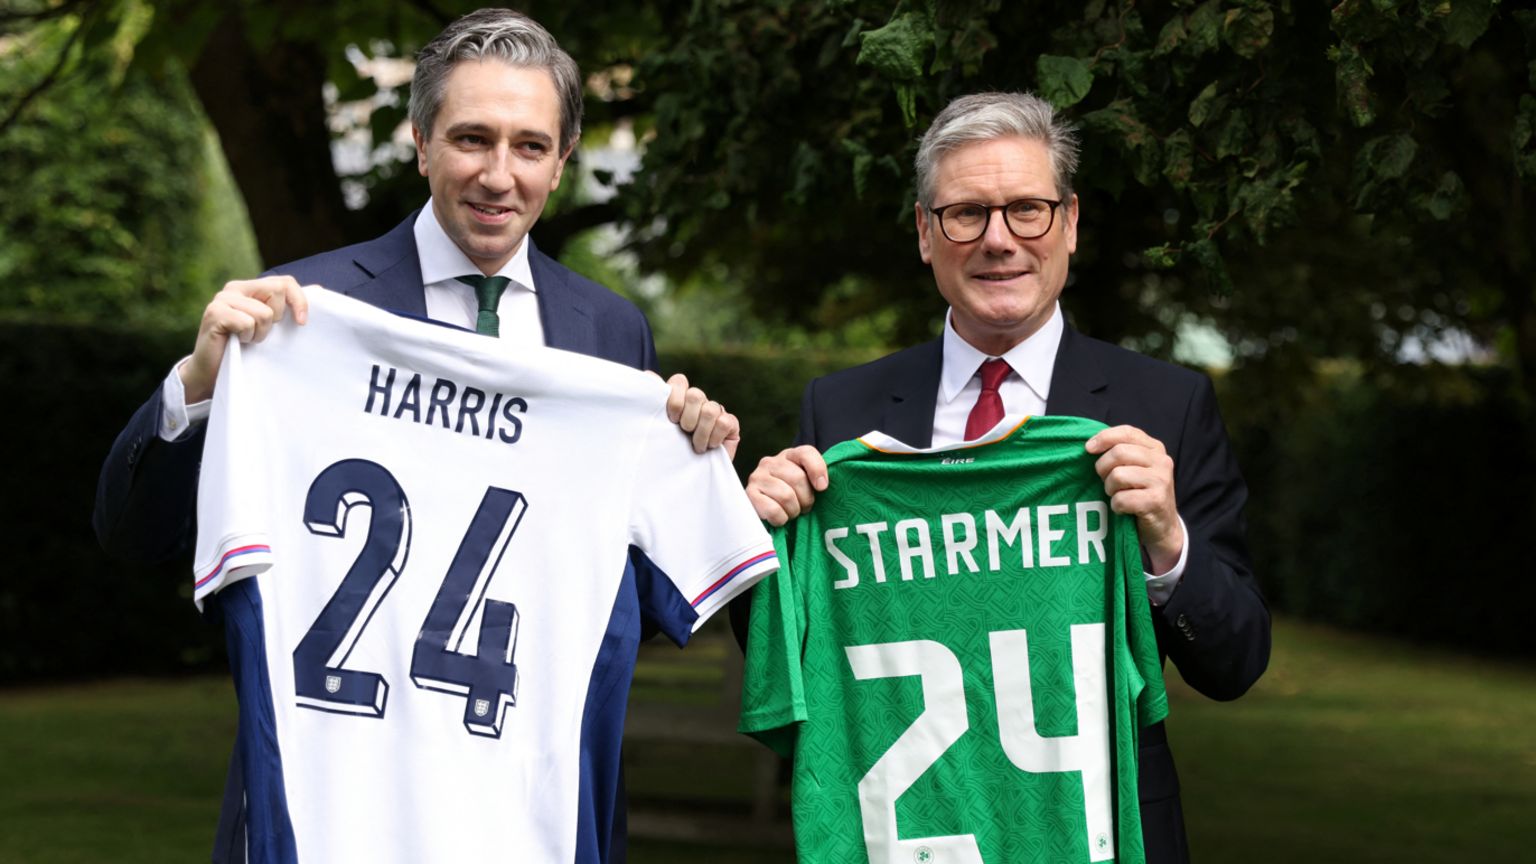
[[1179, 159], [1248, 31], [1468, 21], [1352, 77], [1162, 257], [1063, 81], [1205, 105], [863, 161], [906, 99], [1235, 134], [1205, 28], [1207, 258], [1170, 37], [1447, 199], [896, 51]]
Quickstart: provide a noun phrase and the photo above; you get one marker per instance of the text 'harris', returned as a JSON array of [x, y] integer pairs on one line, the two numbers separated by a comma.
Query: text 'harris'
[[439, 401]]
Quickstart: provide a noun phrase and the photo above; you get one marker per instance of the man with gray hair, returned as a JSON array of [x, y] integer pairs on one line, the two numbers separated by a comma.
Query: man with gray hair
[[997, 222], [495, 111]]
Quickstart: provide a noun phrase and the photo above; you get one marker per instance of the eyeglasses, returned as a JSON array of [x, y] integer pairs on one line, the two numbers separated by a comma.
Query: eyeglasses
[[1026, 218]]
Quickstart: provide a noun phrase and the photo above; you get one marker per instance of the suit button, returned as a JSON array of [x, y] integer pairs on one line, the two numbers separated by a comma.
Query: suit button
[[1182, 622], [133, 452]]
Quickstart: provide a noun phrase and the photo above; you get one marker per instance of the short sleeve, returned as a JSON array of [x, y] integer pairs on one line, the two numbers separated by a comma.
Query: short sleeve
[[773, 686], [232, 539], [692, 519]]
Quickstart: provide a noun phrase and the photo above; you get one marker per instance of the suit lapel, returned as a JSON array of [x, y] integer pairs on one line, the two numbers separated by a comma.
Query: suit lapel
[[913, 388], [1078, 384], [390, 271], [567, 319]]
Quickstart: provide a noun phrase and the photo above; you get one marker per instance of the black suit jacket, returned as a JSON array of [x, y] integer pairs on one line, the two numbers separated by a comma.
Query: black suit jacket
[[146, 498], [1215, 627]]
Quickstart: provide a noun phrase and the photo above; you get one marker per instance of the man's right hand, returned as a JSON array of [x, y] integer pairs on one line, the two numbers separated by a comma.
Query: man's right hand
[[784, 486], [245, 309]]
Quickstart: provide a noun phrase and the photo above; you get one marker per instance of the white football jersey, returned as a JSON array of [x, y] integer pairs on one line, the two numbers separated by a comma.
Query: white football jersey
[[432, 551]]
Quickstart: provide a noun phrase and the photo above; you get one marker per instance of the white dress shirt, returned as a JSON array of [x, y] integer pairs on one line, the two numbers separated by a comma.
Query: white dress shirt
[[448, 300], [1024, 391]]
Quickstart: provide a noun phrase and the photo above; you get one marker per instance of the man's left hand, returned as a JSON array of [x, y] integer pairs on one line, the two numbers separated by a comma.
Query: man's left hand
[[1138, 478], [706, 420]]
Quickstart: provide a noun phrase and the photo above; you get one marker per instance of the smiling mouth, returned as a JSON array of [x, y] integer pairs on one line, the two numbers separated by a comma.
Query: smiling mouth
[[490, 211], [1000, 277]]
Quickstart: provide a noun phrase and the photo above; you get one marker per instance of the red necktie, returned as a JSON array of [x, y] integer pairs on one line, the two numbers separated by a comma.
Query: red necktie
[[989, 405]]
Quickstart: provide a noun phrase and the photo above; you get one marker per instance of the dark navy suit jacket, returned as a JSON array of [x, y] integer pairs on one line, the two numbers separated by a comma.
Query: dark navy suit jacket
[[146, 498], [1215, 627]]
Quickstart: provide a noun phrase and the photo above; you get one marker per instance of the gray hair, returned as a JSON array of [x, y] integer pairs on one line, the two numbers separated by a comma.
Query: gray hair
[[495, 34], [987, 116]]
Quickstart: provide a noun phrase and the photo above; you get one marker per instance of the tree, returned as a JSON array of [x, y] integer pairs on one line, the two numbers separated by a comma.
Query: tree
[[109, 181], [1314, 181]]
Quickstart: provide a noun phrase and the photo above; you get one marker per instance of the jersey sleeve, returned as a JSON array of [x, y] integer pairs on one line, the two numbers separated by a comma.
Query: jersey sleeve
[[692, 519], [232, 539], [773, 686]]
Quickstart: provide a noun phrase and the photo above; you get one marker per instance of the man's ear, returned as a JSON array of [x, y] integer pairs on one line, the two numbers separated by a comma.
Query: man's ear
[[421, 149], [924, 233], [554, 182]]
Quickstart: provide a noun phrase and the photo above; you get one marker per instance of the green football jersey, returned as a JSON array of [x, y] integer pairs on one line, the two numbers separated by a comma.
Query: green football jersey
[[958, 651]]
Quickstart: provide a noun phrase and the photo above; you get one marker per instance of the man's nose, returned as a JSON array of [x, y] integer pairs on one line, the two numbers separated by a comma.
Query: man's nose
[[496, 173], [997, 237]]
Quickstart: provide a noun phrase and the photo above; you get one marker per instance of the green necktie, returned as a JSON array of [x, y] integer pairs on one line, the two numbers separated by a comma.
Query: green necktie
[[488, 293]]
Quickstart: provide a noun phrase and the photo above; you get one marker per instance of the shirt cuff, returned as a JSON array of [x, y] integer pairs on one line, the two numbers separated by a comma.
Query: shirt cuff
[[1160, 588], [177, 418]]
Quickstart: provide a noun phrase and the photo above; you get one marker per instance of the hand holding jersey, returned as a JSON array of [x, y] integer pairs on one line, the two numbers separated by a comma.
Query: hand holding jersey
[[245, 309], [1136, 469]]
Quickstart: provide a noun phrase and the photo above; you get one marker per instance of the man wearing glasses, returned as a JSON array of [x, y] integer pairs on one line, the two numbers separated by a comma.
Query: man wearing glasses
[[997, 221]]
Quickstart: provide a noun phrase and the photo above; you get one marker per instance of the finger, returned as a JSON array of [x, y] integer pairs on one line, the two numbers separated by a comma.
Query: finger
[[298, 301], [767, 508], [1115, 435], [786, 481], [694, 401], [677, 397], [809, 460], [1135, 477], [246, 317], [709, 415], [766, 484], [726, 428]]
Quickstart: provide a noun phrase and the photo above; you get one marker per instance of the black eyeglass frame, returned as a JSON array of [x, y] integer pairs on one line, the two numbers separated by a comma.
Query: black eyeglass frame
[[938, 213]]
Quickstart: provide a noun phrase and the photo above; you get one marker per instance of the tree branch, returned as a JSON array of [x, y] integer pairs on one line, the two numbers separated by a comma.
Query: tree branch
[[53, 74], [8, 17]]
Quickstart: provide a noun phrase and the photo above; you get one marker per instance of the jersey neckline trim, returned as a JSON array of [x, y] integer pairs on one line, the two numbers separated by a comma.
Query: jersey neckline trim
[[882, 443]]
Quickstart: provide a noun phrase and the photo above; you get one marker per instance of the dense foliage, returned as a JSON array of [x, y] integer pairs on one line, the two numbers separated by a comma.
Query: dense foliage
[[106, 211], [1347, 180]]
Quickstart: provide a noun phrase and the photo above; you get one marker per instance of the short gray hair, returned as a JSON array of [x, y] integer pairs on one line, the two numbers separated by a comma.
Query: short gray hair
[[987, 116], [495, 34]]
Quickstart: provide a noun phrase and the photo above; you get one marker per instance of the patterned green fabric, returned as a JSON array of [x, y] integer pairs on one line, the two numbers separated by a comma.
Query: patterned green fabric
[[921, 649]]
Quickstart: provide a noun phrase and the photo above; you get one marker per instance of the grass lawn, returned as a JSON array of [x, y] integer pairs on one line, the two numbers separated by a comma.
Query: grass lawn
[[1351, 749], [1360, 750]]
